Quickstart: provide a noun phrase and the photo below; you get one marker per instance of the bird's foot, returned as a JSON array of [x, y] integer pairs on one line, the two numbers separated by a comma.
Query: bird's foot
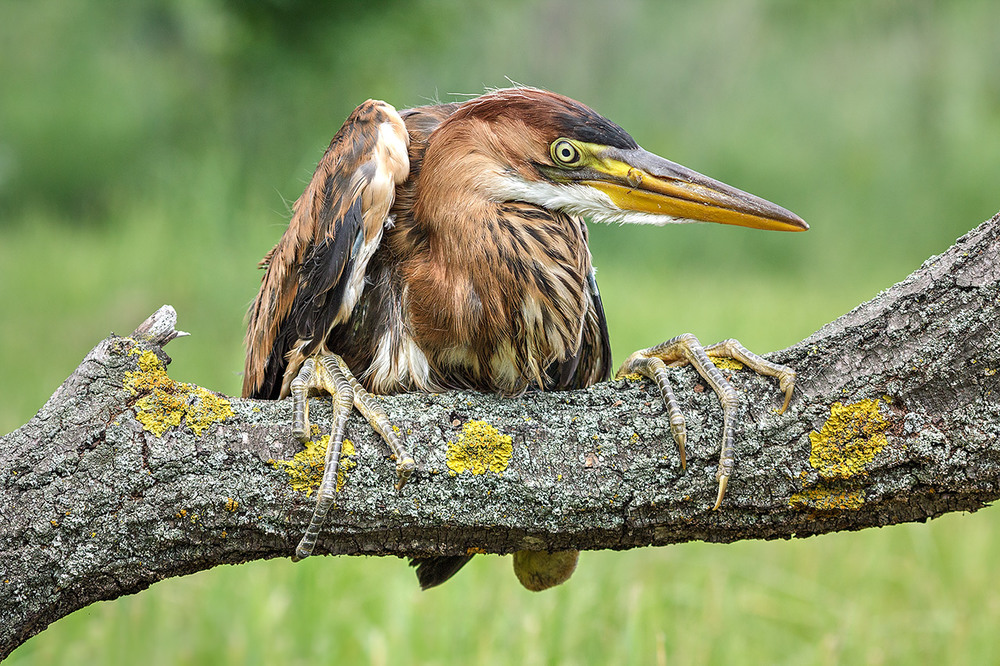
[[328, 373], [685, 349]]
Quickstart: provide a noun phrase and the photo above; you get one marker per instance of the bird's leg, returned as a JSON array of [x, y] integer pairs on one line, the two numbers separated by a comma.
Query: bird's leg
[[338, 386], [329, 373], [686, 349], [309, 378], [379, 420]]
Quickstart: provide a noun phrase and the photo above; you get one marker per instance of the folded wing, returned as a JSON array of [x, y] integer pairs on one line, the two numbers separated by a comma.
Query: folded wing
[[315, 274]]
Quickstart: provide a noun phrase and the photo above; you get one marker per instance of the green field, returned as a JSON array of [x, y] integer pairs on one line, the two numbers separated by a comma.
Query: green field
[[149, 154]]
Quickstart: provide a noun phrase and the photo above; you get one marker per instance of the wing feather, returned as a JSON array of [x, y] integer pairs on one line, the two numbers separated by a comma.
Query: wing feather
[[315, 274], [322, 280], [591, 363]]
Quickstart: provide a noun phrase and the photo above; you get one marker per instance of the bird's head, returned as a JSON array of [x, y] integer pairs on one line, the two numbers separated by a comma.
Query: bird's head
[[547, 149]]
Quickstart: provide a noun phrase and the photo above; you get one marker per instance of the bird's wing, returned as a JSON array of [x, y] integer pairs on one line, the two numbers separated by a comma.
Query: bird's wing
[[592, 361], [315, 274]]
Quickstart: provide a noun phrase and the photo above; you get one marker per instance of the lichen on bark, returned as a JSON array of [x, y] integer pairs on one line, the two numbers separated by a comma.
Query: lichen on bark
[[98, 504]]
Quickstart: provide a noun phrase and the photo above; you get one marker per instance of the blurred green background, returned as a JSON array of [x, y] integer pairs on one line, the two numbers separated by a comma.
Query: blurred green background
[[149, 153]]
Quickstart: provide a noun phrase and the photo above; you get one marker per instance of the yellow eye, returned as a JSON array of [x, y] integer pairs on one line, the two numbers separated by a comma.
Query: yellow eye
[[565, 153]]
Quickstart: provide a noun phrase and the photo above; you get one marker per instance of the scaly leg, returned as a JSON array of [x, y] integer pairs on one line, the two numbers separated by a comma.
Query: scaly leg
[[686, 349], [329, 373]]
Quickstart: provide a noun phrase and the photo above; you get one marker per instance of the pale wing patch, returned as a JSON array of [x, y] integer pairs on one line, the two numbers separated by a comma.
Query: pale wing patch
[[392, 164]]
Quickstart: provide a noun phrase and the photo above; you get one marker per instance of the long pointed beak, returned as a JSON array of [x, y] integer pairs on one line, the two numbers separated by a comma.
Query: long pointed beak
[[638, 180]]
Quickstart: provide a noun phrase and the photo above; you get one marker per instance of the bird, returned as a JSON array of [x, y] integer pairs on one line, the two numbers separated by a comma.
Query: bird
[[445, 247]]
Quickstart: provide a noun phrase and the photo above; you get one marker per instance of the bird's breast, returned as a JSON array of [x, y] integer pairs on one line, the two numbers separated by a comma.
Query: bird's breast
[[495, 330]]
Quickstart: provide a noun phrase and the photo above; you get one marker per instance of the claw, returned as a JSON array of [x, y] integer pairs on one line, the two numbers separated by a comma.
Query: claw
[[679, 431], [723, 482], [404, 470], [787, 384]]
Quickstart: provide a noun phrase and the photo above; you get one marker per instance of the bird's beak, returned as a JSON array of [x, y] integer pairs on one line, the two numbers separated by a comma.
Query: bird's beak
[[638, 180]]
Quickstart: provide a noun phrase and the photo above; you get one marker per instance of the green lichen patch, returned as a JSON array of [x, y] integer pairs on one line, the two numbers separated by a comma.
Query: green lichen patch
[[827, 499], [480, 448], [165, 404], [305, 469], [850, 439]]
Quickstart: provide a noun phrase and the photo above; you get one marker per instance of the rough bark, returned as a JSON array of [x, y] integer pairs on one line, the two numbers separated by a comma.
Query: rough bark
[[96, 502]]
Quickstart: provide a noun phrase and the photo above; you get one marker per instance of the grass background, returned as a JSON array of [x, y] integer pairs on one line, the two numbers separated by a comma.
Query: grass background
[[149, 152]]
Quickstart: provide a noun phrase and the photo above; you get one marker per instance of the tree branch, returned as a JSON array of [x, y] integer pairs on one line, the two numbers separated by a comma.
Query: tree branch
[[126, 477]]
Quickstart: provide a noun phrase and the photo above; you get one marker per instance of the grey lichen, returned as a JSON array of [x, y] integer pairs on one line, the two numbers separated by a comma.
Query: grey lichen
[[97, 505]]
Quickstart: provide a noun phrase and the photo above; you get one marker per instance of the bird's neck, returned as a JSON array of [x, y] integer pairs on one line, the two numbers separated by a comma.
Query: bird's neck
[[452, 226], [454, 265]]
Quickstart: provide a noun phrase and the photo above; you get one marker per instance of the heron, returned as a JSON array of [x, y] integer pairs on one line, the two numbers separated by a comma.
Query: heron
[[445, 247]]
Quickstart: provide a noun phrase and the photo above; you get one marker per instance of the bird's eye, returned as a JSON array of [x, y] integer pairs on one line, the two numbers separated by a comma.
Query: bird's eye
[[565, 153]]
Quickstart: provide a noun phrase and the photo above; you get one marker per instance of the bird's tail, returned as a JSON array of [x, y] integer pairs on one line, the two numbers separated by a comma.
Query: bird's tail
[[432, 571]]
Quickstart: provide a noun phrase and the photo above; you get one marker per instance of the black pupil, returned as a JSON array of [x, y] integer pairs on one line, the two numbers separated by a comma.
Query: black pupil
[[566, 152]]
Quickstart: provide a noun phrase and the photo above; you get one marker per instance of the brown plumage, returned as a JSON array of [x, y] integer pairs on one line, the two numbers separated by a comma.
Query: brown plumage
[[491, 293], [444, 247]]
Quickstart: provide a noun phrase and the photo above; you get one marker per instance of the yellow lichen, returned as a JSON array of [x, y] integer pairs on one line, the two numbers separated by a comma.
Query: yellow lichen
[[165, 403], [305, 469], [158, 412], [231, 505], [150, 362], [204, 408], [150, 376], [827, 499], [480, 448], [726, 363], [849, 440]]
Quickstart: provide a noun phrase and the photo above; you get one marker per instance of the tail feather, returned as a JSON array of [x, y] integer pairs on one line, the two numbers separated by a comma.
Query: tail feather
[[432, 571]]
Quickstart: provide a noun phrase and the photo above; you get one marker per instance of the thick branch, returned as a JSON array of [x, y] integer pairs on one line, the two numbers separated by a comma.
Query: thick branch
[[96, 504]]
